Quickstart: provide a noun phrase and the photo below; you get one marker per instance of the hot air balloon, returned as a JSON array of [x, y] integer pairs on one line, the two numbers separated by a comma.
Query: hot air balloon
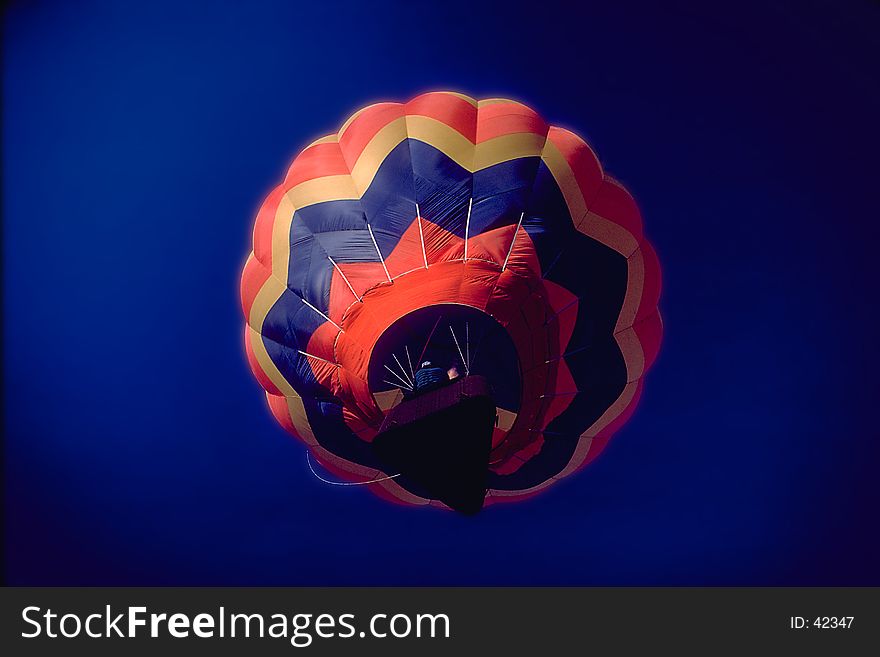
[[473, 236]]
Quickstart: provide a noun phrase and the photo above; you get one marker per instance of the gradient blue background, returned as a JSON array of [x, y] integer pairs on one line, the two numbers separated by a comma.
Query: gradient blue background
[[140, 138]]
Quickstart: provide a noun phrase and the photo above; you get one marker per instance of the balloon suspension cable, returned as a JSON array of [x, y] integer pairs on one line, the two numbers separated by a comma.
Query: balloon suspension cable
[[428, 341], [409, 360], [397, 385], [467, 346], [406, 376], [346, 483], [400, 378], [461, 355]]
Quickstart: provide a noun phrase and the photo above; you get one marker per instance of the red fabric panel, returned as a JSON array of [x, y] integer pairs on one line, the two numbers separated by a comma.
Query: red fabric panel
[[498, 435], [523, 257], [407, 254], [449, 109], [492, 245], [323, 371], [505, 118], [341, 297], [507, 294], [321, 342], [362, 275], [560, 324], [337, 467], [534, 311], [440, 244], [616, 204], [652, 284], [530, 449], [562, 381], [508, 465], [253, 277], [361, 131], [278, 406], [558, 297], [650, 333], [581, 159], [263, 226], [358, 425], [389, 494], [316, 162], [556, 400], [355, 393]]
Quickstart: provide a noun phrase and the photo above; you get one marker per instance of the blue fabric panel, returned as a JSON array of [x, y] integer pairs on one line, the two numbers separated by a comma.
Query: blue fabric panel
[[390, 201], [331, 432], [443, 188], [290, 322]]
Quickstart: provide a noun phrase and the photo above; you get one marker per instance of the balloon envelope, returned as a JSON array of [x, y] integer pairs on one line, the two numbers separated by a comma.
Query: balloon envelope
[[469, 233]]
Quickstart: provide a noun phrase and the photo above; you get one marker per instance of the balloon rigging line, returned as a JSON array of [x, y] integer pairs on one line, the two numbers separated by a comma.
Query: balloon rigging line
[[428, 341], [321, 314], [466, 370], [323, 360], [409, 360], [402, 380], [346, 483], [421, 235], [513, 241], [341, 273], [408, 380], [552, 264], [373, 237], [397, 385], [467, 226], [467, 346]]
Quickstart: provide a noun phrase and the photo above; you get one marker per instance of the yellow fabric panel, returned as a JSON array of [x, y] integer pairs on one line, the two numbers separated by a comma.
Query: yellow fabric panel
[[371, 158], [635, 284], [267, 365], [450, 141], [281, 238], [300, 421], [272, 289], [632, 352], [342, 464], [495, 101], [472, 101], [328, 139], [586, 440], [505, 418], [495, 492], [565, 180], [608, 232], [388, 399], [506, 148]]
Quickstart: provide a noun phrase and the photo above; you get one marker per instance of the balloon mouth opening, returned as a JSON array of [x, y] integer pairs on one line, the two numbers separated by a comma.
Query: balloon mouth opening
[[456, 339]]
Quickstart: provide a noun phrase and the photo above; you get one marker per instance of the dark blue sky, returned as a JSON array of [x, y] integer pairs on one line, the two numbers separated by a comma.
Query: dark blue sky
[[140, 138]]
